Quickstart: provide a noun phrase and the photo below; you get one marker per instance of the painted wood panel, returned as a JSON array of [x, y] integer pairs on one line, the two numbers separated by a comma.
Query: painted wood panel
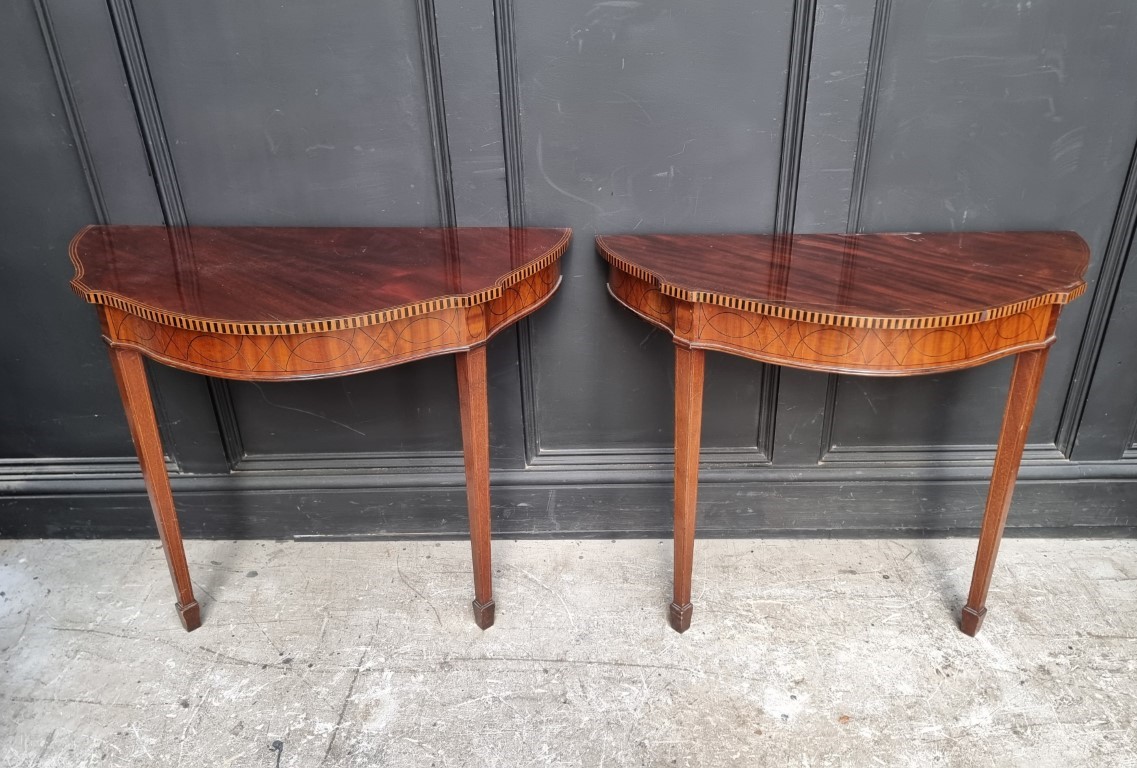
[[813, 115], [1002, 114], [61, 403], [644, 117], [294, 115]]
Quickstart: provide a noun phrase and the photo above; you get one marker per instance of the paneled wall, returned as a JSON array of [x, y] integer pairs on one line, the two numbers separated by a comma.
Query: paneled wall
[[654, 116]]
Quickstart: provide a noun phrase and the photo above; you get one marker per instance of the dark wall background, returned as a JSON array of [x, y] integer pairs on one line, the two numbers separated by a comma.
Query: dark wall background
[[659, 115]]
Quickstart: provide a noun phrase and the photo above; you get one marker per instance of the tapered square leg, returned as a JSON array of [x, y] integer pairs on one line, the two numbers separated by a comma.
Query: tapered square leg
[[689, 365], [1025, 383], [473, 403], [130, 373]]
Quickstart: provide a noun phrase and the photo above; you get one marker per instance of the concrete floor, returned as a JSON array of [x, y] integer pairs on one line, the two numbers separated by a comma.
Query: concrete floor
[[801, 653]]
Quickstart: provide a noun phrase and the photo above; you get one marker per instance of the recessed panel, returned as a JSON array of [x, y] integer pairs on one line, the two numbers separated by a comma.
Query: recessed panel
[[841, 38], [57, 394], [408, 409], [294, 113], [307, 115], [1108, 425], [993, 116], [645, 117]]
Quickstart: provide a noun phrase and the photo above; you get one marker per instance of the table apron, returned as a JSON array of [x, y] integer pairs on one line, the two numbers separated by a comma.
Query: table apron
[[832, 348], [253, 357]]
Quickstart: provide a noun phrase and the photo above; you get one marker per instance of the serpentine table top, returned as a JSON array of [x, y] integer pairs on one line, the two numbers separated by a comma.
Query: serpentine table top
[[290, 303], [270, 303], [892, 304], [885, 304]]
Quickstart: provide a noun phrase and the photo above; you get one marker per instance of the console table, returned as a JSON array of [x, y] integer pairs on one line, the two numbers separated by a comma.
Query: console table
[[875, 304], [281, 304]]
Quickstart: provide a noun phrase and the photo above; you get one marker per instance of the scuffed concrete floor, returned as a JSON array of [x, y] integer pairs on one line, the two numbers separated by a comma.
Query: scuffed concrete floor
[[801, 653]]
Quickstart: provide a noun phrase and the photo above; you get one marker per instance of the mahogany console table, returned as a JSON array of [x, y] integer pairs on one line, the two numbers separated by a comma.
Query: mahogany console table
[[874, 304], [280, 304]]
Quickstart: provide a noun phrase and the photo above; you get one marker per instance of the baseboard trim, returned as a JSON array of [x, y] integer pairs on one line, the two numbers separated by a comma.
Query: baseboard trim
[[107, 499], [52, 477]]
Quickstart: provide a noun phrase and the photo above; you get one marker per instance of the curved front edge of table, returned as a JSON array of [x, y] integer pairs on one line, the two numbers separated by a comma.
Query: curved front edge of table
[[332, 352], [830, 348], [390, 315], [850, 327]]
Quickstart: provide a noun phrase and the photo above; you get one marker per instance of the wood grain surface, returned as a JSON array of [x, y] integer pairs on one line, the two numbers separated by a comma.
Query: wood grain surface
[[288, 280], [285, 304], [834, 348], [887, 304], [136, 400], [890, 280], [321, 354]]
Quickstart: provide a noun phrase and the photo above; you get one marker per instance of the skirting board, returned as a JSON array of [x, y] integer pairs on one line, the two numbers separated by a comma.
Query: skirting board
[[377, 506]]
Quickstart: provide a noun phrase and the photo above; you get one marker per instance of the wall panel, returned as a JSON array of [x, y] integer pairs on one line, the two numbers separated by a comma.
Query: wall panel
[[57, 397], [993, 116], [802, 115], [644, 117], [298, 116]]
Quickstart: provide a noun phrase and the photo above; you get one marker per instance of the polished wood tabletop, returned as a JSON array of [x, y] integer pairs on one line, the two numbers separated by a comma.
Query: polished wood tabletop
[[890, 304], [280, 304], [261, 303], [278, 280], [891, 280], [852, 303]]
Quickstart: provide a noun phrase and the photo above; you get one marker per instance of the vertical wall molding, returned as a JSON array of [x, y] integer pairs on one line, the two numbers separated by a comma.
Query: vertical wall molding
[[165, 177], [226, 414], [70, 108], [867, 121], [767, 410], [508, 85], [789, 171], [436, 109], [828, 414], [512, 150], [1121, 236], [146, 108], [793, 117], [865, 128]]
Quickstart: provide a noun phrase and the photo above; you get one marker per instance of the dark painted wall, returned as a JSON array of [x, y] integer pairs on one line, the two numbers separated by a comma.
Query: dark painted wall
[[650, 116]]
